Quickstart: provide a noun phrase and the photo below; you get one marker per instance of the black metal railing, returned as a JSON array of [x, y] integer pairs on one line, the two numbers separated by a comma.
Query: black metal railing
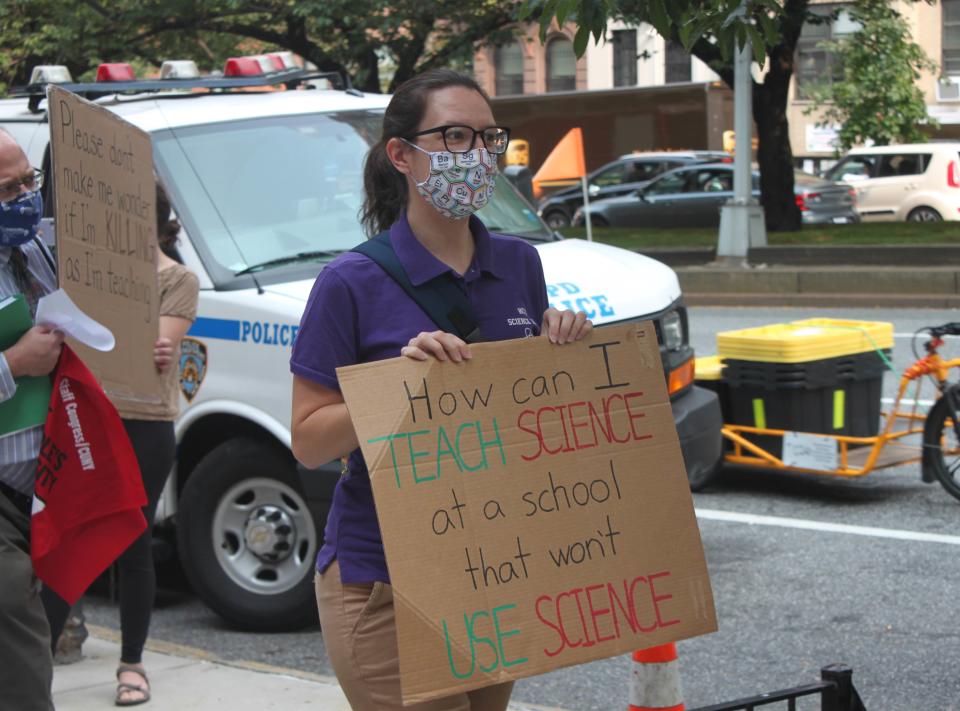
[[836, 690]]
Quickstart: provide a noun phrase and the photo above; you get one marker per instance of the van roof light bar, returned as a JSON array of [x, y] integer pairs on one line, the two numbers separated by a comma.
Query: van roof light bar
[[179, 69], [290, 77], [50, 74]]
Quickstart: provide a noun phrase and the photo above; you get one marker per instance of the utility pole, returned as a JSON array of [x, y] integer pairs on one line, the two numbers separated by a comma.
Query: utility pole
[[741, 219]]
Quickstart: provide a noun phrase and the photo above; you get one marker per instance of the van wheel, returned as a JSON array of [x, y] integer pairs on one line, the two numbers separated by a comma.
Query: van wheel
[[556, 219], [246, 539], [924, 214]]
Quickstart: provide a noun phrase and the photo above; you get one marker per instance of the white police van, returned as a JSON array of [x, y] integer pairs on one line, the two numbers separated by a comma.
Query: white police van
[[267, 186]]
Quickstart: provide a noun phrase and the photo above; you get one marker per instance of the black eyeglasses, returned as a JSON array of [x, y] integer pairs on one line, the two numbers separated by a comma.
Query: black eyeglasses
[[461, 139], [11, 190]]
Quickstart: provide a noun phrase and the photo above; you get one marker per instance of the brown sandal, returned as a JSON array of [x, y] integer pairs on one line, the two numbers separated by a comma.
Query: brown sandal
[[124, 688]]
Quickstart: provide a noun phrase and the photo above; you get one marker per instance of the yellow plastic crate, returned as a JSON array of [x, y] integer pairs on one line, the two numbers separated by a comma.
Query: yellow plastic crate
[[708, 368], [801, 341]]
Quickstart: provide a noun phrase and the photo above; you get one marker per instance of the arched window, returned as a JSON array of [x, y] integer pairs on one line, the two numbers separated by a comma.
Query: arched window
[[508, 65], [561, 65]]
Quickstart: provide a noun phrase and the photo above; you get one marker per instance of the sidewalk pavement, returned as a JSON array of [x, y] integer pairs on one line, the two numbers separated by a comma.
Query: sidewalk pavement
[[189, 679]]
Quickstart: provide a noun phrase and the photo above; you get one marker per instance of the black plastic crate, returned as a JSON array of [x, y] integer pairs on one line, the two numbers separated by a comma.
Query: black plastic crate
[[808, 374], [839, 396]]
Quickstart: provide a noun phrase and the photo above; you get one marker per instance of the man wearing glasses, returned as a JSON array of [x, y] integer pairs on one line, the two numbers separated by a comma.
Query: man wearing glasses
[[26, 665]]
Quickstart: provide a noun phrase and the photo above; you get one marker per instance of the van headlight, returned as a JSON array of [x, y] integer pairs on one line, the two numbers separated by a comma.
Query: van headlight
[[671, 326]]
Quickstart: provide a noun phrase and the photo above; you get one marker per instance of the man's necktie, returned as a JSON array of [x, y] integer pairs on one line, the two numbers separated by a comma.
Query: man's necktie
[[28, 284]]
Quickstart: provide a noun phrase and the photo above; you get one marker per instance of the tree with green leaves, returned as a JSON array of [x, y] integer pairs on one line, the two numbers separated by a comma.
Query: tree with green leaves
[[877, 97], [351, 37], [712, 31]]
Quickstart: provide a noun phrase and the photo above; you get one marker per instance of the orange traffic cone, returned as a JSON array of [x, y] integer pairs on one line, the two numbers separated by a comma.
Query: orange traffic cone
[[656, 680]]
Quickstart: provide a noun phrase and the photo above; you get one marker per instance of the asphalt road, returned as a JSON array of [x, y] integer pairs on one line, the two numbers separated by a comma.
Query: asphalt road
[[789, 600]]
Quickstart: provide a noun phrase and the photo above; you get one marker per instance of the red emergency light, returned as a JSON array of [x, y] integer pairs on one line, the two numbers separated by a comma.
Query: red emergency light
[[115, 72], [242, 67]]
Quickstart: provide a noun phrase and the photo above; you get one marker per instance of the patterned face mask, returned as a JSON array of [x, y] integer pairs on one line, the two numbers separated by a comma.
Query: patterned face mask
[[459, 184], [20, 218]]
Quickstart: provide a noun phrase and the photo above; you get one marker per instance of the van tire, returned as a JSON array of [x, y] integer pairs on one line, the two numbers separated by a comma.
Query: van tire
[[245, 494], [924, 214]]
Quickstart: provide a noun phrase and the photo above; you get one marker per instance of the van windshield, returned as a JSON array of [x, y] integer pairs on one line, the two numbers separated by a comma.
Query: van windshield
[[265, 193]]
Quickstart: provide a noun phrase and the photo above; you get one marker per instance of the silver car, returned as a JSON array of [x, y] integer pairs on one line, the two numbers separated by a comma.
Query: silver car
[[692, 196]]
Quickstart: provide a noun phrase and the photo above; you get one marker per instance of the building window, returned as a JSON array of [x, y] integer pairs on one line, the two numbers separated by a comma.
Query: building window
[[814, 64], [561, 65], [625, 57], [508, 65], [676, 63], [951, 37]]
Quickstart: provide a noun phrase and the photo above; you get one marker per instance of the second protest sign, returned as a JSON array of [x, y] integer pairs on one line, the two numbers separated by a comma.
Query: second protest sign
[[106, 219], [534, 507]]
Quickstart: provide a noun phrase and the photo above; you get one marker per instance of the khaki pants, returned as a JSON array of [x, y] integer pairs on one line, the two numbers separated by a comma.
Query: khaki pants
[[360, 634], [26, 664]]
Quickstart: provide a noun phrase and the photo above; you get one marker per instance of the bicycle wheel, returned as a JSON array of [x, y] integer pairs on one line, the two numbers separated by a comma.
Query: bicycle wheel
[[942, 447]]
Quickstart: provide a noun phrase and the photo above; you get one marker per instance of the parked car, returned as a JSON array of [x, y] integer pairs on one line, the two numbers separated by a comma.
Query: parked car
[[693, 195], [621, 177], [919, 182], [267, 186]]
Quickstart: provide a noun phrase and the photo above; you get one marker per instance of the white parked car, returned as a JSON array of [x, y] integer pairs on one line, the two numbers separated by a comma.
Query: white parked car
[[267, 186], [919, 182]]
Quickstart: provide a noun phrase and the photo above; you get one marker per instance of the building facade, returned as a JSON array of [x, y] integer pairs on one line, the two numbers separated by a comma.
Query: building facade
[[525, 66], [634, 56]]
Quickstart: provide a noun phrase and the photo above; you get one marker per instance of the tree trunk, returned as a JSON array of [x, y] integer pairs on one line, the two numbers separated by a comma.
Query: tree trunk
[[369, 74], [775, 156], [774, 153]]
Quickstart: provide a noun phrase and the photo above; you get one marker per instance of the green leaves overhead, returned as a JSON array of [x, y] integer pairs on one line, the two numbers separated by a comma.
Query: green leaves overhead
[[874, 95], [726, 23], [362, 38]]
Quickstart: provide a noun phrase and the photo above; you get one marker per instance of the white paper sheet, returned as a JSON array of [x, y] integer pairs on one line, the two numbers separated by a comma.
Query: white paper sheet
[[57, 310], [809, 451]]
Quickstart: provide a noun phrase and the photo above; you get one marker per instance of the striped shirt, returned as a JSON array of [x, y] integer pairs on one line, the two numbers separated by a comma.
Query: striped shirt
[[18, 451]]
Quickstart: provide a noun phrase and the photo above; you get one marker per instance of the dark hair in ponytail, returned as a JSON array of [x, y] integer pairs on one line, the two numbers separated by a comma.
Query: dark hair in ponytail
[[167, 227], [384, 187]]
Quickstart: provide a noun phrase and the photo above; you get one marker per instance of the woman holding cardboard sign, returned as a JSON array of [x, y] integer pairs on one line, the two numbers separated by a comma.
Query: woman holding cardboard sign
[[433, 167], [150, 429]]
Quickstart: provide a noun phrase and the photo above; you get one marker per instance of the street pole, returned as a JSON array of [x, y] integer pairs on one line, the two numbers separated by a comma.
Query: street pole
[[741, 219], [586, 206]]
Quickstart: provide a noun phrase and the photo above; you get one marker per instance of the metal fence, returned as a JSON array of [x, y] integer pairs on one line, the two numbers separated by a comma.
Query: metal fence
[[836, 690]]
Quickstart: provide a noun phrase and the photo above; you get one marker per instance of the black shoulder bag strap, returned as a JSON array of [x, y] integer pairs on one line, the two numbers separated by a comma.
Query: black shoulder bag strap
[[440, 298]]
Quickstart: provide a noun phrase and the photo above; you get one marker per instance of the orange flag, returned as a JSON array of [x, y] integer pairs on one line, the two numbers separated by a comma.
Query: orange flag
[[565, 162]]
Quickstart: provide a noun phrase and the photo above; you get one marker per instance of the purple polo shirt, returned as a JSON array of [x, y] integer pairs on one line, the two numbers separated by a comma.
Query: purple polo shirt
[[357, 313]]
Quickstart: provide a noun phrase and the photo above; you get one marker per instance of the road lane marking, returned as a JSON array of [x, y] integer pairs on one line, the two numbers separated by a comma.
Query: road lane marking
[[823, 526], [908, 401], [919, 335]]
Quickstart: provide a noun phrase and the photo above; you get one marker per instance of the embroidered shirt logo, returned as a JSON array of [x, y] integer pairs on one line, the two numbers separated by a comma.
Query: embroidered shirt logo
[[523, 319]]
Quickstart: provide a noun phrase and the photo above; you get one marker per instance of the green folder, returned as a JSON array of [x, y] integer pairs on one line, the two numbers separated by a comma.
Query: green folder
[[28, 407]]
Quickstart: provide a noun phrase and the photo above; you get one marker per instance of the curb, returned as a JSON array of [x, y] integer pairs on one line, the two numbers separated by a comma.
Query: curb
[[900, 301], [817, 255], [827, 285]]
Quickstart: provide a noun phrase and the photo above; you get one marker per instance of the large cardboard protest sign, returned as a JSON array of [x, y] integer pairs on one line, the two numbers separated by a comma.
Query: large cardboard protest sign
[[105, 190], [534, 507]]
